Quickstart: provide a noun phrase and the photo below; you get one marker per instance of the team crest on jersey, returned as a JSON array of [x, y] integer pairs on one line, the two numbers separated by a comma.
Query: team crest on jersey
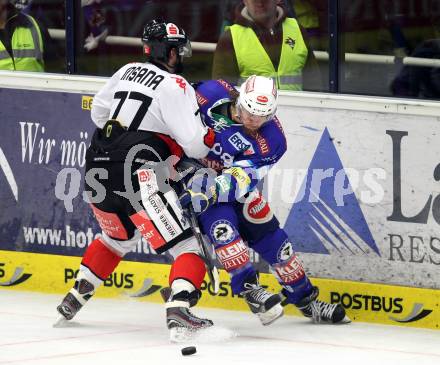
[[285, 251], [181, 82], [241, 144], [221, 124], [222, 231]]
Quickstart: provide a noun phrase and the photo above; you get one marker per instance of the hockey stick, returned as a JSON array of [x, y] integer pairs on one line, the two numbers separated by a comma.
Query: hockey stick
[[211, 268], [190, 165]]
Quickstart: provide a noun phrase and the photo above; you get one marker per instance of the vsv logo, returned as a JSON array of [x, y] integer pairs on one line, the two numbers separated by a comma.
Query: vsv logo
[[317, 223]]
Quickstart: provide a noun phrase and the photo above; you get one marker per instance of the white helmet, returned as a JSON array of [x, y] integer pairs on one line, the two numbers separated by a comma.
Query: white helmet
[[258, 95]]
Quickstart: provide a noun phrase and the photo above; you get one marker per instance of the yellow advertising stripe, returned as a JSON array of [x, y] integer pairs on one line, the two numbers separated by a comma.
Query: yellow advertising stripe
[[375, 303], [388, 304], [55, 274]]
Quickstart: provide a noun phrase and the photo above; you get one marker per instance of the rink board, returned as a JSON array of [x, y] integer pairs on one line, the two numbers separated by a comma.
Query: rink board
[[375, 303], [374, 215], [357, 192]]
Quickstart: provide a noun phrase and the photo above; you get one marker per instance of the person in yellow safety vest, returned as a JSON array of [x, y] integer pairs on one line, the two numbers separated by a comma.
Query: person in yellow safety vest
[[22, 40], [264, 41]]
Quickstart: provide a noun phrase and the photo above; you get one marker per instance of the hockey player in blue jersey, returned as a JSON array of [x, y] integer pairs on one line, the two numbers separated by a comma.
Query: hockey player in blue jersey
[[249, 140]]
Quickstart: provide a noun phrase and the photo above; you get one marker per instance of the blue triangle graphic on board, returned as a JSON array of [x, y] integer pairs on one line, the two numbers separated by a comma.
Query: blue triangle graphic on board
[[322, 221]]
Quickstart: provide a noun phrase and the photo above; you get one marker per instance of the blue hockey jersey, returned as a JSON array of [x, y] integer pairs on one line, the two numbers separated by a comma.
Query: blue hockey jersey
[[242, 159]]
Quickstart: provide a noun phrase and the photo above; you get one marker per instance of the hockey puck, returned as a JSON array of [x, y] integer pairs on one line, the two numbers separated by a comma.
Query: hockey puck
[[188, 350]]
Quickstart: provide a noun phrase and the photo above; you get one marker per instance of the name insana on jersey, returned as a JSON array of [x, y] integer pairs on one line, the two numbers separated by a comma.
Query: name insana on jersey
[[143, 75]]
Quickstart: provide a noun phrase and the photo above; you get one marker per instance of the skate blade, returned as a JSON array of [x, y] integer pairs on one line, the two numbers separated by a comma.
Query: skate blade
[[271, 315], [344, 320], [182, 334], [60, 322], [203, 335]]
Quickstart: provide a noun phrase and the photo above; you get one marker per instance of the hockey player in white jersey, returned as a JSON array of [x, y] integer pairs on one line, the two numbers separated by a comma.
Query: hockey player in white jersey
[[145, 114]]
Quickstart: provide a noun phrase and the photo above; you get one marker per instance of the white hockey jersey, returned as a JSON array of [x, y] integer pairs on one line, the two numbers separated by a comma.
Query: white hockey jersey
[[141, 96]]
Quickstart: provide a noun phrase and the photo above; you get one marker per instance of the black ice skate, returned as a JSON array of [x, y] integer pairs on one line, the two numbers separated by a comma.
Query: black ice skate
[[264, 304], [322, 312], [74, 300], [180, 321]]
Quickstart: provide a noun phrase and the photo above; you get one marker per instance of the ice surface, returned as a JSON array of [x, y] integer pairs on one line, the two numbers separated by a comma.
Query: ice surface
[[125, 332]]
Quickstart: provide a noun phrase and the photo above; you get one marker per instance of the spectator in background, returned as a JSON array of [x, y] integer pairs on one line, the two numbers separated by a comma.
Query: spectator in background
[[23, 40], [420, 81], [305, 13], [264, 41], [96, 22], [22, 5]]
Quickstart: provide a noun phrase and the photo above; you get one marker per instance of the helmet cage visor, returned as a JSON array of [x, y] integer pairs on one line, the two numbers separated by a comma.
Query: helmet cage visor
[[185, 50]]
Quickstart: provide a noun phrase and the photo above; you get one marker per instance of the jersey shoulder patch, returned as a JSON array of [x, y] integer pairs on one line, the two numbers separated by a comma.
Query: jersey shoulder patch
[[180, 83]]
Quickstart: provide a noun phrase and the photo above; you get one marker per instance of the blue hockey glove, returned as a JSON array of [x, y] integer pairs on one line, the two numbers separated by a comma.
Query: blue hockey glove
[[201, 192]]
